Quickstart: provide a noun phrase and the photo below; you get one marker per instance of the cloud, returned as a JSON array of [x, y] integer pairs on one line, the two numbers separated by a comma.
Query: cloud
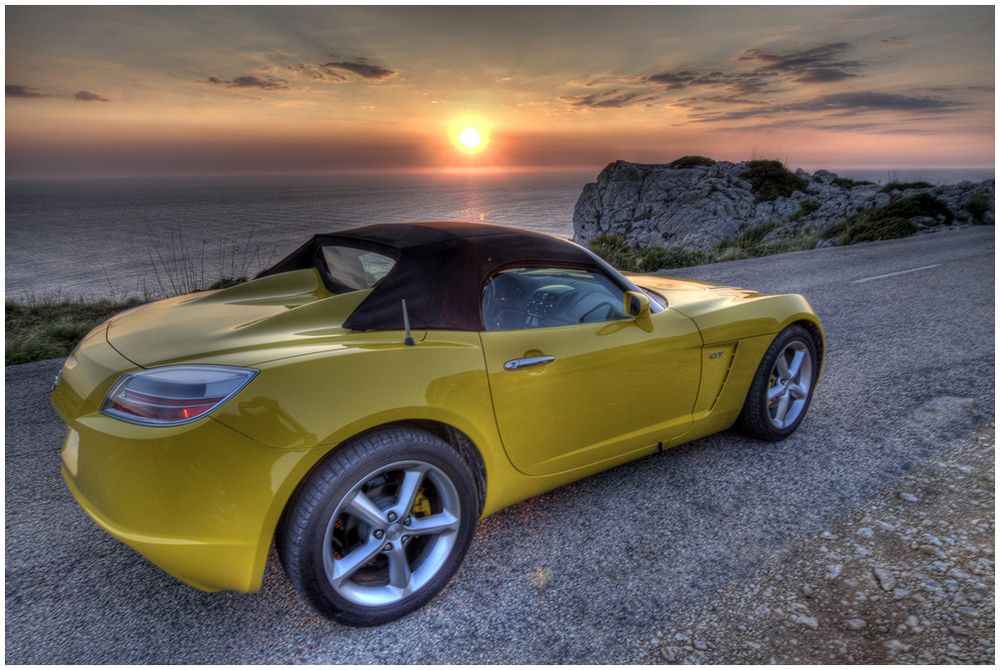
[[741, 83], [724, 99], [607, 99], [840, 104], [869, 101], [674, 80], [18, 91], [317, 73], [821, 64], [605, 79], [268, 79], [821, 56], [823, 75], [250, 81], [89, 96], [362, 68], [761, 90], [816, 65]]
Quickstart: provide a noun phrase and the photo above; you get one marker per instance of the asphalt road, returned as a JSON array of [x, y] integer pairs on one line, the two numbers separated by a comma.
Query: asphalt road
[[586, 573]]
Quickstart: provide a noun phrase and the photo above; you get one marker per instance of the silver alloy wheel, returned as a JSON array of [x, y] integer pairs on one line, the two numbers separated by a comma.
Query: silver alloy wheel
[[791, 380], [395, 550]]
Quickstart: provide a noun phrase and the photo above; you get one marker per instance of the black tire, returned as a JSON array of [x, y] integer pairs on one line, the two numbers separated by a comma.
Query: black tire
[[755, 419], [304, 525]]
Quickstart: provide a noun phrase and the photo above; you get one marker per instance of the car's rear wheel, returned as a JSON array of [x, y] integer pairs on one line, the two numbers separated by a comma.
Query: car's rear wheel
[[782, 387], [380, 527]]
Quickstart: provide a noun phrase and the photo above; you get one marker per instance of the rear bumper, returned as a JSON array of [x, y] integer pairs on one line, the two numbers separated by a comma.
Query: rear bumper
[[208, 566], [200, 504]]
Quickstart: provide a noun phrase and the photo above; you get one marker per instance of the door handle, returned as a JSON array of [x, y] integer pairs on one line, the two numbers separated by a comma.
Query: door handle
[[518, 363]]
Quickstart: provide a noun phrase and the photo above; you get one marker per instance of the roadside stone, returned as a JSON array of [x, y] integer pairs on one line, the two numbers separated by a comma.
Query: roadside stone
[[855, 624], [908, 497], [827, 535], [834, 571], [896, 645], [805, 620], [701, 645], [670, 653], [885, 578], [866, 533]]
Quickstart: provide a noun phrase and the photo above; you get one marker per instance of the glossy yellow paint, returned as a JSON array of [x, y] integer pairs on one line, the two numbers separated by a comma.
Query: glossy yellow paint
[[640, 378], [202, 500]]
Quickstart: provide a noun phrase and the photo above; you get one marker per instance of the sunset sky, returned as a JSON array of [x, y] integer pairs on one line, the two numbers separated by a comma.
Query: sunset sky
[[121, 91]]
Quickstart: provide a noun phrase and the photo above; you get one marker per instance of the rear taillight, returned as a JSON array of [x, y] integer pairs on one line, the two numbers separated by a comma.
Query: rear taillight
[[174, 394]]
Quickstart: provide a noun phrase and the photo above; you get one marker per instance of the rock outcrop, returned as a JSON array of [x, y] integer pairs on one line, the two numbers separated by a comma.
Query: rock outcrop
[[700, 206]]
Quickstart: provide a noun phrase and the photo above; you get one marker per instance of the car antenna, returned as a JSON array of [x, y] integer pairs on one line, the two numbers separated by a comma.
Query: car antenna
[[406, 326]]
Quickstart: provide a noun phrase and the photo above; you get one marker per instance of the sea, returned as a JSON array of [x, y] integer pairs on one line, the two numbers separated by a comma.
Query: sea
[[121, 237]]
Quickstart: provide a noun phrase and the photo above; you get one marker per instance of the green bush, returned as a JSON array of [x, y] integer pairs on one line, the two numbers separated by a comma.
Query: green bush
[[844, 182], [903, 185], [806, 208], [749, 244], [692, 161], [771, 179], [921, 204], [883, 223], [749, 237], [658, 258], [979, 206], [51, 329], [865, 229], [615, 250]]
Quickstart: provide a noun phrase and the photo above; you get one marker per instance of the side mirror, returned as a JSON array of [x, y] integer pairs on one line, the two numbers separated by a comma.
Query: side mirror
[[637, 304]]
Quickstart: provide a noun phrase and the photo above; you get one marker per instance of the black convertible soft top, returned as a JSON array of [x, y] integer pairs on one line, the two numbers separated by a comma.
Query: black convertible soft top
[[441, 269]]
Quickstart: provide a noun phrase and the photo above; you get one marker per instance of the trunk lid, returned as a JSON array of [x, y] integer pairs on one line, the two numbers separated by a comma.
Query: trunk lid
[[273, 317]]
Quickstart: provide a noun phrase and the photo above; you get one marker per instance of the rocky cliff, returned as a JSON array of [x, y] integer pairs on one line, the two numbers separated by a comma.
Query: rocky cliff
[[700, 205]]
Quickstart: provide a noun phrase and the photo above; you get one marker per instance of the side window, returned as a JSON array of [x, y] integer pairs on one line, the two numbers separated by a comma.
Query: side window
[[355, 269], [545, 297]]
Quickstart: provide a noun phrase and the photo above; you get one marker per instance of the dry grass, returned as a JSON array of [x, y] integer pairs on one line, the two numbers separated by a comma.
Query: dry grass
[[43, 327]]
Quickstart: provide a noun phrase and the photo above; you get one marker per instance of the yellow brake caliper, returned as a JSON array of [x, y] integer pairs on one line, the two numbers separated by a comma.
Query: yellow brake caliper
[[421, 505]]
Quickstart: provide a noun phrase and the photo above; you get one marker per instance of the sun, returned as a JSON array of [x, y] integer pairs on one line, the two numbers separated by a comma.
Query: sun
[[470, 134], [470, 138]]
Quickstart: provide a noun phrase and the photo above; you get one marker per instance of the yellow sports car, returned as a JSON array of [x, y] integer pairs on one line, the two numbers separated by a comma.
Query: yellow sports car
[[363, 402]]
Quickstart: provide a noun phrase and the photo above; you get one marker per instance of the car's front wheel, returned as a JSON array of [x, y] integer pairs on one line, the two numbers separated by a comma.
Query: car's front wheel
[[380, 526], [782, 388]]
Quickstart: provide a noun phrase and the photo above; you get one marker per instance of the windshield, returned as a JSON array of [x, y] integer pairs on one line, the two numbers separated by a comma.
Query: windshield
[[353, 269]]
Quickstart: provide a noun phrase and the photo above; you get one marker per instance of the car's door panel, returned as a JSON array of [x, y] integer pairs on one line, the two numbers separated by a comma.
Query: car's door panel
[[605, 389]]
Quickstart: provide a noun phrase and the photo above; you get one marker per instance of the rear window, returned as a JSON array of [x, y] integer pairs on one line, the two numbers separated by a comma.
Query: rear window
[[353, 269]]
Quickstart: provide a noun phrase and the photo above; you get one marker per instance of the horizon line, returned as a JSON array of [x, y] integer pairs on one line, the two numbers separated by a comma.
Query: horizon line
[[455, 171]]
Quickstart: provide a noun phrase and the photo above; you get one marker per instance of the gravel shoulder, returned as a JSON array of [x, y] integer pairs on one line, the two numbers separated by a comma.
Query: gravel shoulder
[[907, 579]]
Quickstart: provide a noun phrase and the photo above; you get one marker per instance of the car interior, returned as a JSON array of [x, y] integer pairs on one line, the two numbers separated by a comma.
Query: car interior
[[545, 297], [352, 269]]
